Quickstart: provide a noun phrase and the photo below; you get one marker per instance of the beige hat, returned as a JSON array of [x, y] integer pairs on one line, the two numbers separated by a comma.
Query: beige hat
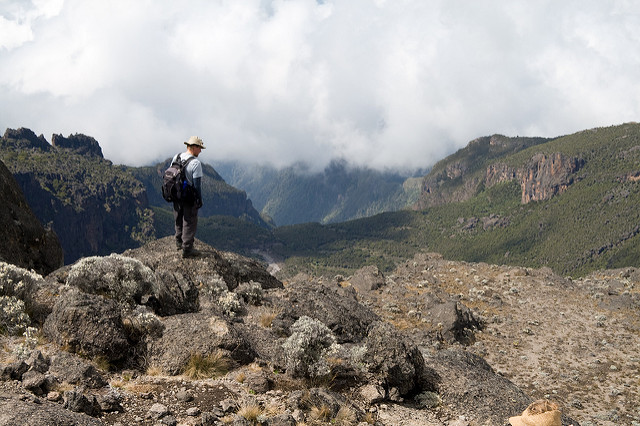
[[548, 418], [194, 140]]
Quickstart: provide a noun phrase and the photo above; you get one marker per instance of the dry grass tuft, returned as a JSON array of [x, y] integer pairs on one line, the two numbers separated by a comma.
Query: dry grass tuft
[[102, 363], [139, 388], [154, 370], [345, 416], [267, 315], [322, 413], [250, 412], [206, 367], [369, 418]]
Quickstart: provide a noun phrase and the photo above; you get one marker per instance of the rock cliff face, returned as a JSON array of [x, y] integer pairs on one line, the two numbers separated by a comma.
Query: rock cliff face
[[25, 242], [547, 175], [94, 207], [460, 176], [542, 177]]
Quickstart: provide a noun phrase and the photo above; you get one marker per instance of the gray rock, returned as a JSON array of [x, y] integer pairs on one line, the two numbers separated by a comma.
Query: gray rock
[[87, 323], [37, 362], [184, 396], [455, 320], [193, 412], [281, 420], [34, 381], [110, 401], [334, 306], [396, 362], [13, 371], [75, 400], [71, 369], [367, 279], [371, 394], [257, 381], [201, 333], [473, 389], [161, 257], [173, 293], [157, 411], [17, 410]]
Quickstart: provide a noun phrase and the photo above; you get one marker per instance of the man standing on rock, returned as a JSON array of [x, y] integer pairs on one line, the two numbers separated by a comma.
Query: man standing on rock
[[185, 212]]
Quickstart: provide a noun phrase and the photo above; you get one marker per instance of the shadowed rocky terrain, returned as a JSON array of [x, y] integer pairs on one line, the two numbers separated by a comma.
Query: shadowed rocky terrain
[[146, 337]]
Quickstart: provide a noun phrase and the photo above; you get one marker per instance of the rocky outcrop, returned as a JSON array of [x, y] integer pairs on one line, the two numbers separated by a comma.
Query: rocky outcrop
[[461, 175], [78, 143], [547, 175], [25, 242], [497, 173], [88, 324], [23, 138], [333, 305], [541, 178]]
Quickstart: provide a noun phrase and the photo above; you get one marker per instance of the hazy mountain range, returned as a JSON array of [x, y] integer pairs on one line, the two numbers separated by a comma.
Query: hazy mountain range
[[338, 193]]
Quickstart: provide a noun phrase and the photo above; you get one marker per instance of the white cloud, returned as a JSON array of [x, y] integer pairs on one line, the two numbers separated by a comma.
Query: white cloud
[[388, 84]]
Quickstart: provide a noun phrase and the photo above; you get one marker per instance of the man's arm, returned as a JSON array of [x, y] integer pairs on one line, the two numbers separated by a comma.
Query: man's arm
[[197, 185]]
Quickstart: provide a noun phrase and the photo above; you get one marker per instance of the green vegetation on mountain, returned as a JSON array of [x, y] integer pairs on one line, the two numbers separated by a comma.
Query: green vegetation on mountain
[[593, 224]]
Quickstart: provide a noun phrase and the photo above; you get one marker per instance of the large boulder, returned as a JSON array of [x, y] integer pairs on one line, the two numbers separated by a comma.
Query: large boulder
[[68, 368], [130, 282], [455, 322], [24, 409], [474, 389], [333, 305], [367, 279], [88, 324], [196, 333], [162, 257], [396, 362]]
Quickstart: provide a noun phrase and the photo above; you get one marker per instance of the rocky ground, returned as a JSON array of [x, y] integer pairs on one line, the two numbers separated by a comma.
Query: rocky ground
[[495, 337], [574, 341]]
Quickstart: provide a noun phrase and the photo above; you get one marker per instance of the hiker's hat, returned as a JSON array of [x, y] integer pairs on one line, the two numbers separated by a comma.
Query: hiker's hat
[[548, 418], [194, 140]]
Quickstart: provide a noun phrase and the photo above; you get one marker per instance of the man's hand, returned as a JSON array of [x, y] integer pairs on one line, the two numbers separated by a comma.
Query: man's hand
[[198, 203]]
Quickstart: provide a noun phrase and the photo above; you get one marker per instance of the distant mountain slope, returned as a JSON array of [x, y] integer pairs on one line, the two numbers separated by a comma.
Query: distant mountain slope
[[569, 203], [93, 206], [338, 193]]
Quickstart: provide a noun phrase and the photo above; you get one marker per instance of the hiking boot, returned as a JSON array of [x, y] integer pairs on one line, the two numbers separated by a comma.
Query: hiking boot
[[190, 252], [178, 245]]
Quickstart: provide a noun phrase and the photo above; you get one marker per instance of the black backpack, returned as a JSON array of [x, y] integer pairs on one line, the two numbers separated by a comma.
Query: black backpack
[[175, 187]]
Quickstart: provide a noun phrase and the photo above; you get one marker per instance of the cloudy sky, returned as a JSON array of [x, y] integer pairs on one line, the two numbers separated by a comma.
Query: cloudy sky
[[387, 83]]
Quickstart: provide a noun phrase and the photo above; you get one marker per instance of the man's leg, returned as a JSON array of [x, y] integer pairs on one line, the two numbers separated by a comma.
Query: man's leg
[[178, 215], [190, 223]]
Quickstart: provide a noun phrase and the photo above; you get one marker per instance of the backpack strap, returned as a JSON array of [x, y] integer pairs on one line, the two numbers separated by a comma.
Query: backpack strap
[[184, 167]]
